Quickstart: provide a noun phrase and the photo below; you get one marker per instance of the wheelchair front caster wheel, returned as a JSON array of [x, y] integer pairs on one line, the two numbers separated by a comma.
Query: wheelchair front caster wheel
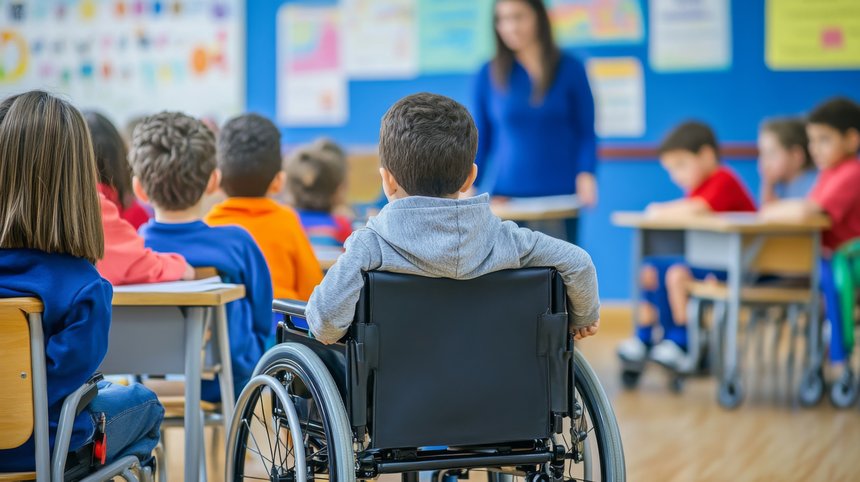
[[811, 388], [537, 477], [630, 378], [843, 393], [730, 393]]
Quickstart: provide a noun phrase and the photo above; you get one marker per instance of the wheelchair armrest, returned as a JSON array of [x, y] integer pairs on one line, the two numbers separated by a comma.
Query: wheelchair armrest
[[290, 307], [73, 405]]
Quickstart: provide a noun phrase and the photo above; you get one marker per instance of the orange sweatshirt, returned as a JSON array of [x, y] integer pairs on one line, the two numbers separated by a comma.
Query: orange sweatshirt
[[278, 231]]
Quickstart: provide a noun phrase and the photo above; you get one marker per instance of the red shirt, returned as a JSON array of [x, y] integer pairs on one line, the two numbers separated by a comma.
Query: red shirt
[[134, 213], [837, 192], [724, 192]]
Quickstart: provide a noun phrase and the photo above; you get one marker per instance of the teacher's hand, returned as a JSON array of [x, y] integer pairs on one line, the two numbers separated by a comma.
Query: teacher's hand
[[586, 189]]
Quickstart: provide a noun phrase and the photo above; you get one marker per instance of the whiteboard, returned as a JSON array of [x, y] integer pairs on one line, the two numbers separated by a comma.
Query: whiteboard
[[127, 57]]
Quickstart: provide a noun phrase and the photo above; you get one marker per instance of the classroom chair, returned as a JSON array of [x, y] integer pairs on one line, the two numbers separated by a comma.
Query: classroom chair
[[434, 375], [846, 271], [783, 256], [24, 411]]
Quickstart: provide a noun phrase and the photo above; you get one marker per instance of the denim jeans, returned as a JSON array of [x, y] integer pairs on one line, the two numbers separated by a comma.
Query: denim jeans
[[133, 418]]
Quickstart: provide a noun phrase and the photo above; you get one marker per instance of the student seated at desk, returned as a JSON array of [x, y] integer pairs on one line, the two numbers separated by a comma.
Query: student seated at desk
[[114, 173], [784, 163], [427, 149], [249, 158], [173, 159], [48, 245], [316, 181], [691, 155], [834, 141]]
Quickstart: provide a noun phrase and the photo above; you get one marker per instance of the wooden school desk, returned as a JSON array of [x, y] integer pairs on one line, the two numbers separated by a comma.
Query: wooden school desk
[[545, 214], [162, 333], [724, 242], [327, 256]]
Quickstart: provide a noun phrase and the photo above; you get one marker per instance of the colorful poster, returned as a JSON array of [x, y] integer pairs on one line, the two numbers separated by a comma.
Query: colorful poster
[[689, 35], [127, 58], [454, 36], [312, 84], [592, 22], [804, 35], [380, 41], [619, 96]]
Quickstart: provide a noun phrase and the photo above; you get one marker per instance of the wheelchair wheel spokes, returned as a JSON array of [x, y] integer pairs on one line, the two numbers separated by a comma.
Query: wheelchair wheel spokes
[[290, 424], [265, 445]]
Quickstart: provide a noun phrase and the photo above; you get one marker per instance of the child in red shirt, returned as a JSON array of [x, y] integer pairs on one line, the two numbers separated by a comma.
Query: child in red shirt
[[834, 140], [691, 156]]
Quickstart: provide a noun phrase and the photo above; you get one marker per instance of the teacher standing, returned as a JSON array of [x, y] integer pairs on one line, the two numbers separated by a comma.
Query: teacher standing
[[534, 111]]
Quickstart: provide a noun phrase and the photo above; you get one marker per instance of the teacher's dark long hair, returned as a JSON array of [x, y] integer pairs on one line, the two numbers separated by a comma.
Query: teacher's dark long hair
[[503, 62]]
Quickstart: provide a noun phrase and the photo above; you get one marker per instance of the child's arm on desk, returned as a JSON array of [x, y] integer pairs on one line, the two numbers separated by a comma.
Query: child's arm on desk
[[791, 210], [331, 307], [679, 207]]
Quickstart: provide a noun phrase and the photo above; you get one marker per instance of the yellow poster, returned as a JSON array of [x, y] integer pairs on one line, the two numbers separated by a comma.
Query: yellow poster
[[812, 35]]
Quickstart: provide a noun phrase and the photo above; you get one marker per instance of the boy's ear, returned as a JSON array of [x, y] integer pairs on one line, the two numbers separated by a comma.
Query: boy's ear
[[214, 182], [470, 181], [708, 153], [853, 138], [277, 184], [139, 192], [389, 184]]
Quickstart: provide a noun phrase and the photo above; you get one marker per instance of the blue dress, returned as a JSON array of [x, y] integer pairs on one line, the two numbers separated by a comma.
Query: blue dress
[[526, 149]]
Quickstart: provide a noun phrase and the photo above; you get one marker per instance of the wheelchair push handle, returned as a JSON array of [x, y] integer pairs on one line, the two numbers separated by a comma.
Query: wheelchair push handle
[[290, 308]]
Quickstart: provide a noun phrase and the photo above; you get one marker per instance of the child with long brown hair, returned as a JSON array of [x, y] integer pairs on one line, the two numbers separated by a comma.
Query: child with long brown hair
[[50, 237]]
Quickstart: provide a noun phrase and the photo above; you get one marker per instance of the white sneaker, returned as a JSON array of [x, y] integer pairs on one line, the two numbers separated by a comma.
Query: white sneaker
[[632, 350], [668, 354]]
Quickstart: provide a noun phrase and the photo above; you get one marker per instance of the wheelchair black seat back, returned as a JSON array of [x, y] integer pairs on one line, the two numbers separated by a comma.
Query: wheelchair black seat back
[[433, 374]]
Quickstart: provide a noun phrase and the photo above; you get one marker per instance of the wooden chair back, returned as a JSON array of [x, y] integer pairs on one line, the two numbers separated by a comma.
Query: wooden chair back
[[16, 373], [785, 255]]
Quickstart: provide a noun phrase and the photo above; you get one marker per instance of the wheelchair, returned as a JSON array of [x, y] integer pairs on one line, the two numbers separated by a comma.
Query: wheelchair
[[434, 375]]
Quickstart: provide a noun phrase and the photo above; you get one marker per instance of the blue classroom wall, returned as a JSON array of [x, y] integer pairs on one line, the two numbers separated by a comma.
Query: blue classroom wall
[[734, 101]]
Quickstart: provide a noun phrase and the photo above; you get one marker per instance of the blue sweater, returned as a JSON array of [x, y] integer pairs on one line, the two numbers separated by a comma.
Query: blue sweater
[[233, 252], [527, 150], [76, 320]]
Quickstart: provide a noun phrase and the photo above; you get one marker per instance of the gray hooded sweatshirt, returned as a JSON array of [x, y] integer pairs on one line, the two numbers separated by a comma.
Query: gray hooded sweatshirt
[[445, 238]]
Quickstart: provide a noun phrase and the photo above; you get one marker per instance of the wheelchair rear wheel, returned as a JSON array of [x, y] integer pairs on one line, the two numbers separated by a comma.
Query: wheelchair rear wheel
[[591, 439], [290, 424]]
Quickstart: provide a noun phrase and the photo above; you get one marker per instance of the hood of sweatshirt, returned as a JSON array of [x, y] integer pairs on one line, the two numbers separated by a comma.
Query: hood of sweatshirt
[[442, 237]]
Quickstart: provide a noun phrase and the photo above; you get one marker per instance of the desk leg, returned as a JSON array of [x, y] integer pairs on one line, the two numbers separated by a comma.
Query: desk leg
[[730, 391], [226, 375], [811, 387], [194, 321]]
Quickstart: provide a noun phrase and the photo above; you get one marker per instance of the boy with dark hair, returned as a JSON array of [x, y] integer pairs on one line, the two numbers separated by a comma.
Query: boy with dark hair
[[249, 157], [427, 148], [173, 159], [834, 141], [690, 153]]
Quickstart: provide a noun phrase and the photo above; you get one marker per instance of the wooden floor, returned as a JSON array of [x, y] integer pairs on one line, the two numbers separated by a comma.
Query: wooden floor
[[688, 437]]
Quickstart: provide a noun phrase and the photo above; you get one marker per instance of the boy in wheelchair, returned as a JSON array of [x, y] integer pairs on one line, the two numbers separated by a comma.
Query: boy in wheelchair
[[443, 338], [427, 148]]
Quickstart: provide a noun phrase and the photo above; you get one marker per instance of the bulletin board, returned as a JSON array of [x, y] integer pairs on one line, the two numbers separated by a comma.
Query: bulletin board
[[127, 57], [732, 87]]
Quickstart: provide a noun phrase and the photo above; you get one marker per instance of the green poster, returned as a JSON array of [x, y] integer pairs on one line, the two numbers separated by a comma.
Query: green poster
[[455, 36]]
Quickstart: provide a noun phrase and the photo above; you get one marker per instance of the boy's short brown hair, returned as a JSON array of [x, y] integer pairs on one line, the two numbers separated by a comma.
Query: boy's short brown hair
[[314, 174], [840, 113], [173, 156], [249, 155], [690, 136], [48, 196], [428, 142]]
